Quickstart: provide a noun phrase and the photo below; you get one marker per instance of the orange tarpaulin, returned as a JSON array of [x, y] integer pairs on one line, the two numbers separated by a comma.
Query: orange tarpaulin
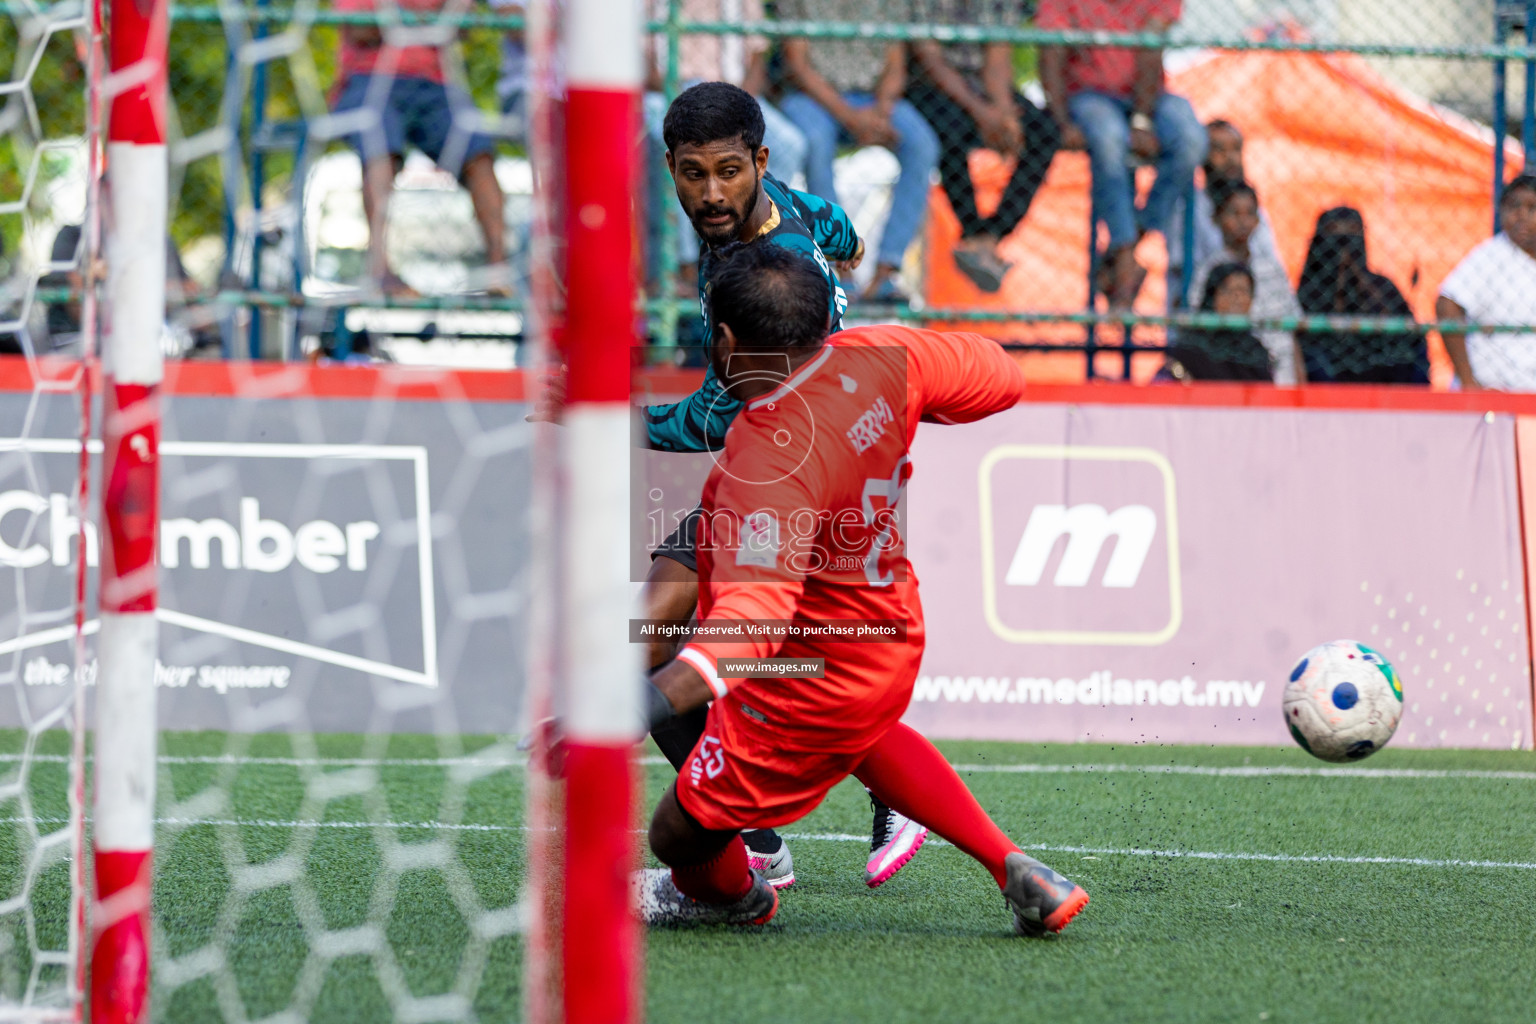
[[1320, 131]]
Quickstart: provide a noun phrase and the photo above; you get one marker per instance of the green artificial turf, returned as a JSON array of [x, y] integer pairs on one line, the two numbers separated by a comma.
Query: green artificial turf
[[346, 923]]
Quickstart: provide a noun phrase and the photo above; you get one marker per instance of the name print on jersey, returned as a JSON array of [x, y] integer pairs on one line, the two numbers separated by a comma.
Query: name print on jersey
[[869, 427]]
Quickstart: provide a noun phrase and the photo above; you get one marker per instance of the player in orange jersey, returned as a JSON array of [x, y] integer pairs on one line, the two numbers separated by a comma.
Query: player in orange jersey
[[801, 556]]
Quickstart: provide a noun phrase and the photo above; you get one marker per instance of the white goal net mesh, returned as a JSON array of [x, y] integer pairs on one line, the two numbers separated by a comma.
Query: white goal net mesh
[[46, 57], [340, 826]]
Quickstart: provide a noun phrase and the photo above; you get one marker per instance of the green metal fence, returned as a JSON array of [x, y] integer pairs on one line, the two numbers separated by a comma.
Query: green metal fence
[[253, 85]]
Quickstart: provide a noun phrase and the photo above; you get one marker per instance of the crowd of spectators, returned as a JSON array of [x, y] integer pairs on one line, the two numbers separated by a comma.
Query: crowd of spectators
[[932, 105]]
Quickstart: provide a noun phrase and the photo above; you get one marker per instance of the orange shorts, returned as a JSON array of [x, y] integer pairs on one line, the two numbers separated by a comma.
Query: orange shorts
[[745, 773]]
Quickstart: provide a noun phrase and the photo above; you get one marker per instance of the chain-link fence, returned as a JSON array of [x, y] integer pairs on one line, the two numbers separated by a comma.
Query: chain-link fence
[[1008, 167]]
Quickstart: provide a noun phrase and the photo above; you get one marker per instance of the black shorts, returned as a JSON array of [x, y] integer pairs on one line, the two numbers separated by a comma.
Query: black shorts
[[681, 544]]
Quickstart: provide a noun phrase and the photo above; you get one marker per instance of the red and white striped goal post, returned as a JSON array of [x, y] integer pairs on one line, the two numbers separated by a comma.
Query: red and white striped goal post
[[124, 779]]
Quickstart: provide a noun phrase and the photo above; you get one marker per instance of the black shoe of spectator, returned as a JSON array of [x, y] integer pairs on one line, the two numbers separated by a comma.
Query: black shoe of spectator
[[983, 266]]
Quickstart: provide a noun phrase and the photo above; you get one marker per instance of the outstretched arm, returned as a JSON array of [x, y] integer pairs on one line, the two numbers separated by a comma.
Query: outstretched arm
[[955, 377], [697, 423]]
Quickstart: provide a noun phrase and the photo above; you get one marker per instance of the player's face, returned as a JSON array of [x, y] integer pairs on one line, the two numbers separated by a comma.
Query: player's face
[[718, 183], [1225, 159], [1517, 216]]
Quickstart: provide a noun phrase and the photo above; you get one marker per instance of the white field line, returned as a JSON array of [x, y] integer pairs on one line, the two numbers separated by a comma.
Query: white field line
[[848, 837], [1233, 771], [1245, 771], [310, 762], [1280, 858]]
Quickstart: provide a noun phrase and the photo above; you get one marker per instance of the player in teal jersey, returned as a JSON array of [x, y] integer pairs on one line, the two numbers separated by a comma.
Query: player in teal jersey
[[773, 212], [714, 135]]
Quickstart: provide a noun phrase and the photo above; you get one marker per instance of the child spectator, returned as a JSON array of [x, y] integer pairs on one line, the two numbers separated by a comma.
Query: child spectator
[[1237, 215], [850, 92], [1110, 100], [403, 85], [1223, 169], [1496, 284], [967, 93], [1337, 280], [1222, 353]]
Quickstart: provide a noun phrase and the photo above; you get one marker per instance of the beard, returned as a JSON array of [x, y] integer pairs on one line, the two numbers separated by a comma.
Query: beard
[[723, 232]]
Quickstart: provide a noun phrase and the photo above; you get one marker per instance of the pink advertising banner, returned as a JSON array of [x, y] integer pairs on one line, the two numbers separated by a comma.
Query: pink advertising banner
[[1151, 574]]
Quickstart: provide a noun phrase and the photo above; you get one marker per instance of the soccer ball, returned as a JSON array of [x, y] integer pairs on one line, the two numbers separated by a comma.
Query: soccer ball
[[1343, 701]]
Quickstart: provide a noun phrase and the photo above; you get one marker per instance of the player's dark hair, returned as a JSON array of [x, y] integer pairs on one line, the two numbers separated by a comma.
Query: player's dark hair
[[713, 112], [1524, 183], [1227, 192], [772, 298]]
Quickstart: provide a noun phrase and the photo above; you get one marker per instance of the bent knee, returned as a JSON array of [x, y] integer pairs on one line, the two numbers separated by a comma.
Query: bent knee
[[673, 838]]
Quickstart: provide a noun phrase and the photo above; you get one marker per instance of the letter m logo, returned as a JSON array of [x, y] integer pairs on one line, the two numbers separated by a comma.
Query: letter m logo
[[1079, 545], [1086, 528]]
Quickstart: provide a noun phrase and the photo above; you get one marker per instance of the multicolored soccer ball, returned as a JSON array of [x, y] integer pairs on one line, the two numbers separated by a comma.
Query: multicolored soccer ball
[[1343, 701]]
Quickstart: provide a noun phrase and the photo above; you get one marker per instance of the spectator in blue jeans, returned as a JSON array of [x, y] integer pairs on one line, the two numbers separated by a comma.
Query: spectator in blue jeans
[[404, 88], [850, 93], [1111, 101]]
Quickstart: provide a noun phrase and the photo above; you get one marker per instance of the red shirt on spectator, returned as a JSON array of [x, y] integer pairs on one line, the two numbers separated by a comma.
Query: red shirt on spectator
[[414, 61], [1106, 69]]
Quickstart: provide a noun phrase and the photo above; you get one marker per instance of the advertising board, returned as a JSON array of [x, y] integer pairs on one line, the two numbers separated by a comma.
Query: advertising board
[[345, 564], [1150, 574], [1123, 572]]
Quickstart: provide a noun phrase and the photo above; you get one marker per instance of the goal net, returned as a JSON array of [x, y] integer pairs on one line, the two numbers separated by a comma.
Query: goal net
[[49, 130], [329, 628]]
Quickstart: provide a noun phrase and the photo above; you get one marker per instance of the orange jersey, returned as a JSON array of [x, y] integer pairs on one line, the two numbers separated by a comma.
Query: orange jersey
[[803, 524]]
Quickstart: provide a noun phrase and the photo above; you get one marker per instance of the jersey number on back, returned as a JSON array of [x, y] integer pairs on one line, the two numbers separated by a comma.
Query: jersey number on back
[[882, 495]]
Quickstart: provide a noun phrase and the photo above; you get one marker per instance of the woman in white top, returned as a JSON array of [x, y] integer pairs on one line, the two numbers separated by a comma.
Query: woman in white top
[[1495, 283]]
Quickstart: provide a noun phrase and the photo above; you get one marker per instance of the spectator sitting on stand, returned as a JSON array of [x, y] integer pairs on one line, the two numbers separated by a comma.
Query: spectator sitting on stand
[[1337, 280], [1495, 283], [1111, 101], [1237, 215], [850, 92], [1223, 169], [967, 93], [404, 86], [1221, 353]]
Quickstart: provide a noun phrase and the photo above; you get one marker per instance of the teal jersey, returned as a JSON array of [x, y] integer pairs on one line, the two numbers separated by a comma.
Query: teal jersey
[[805, 224]]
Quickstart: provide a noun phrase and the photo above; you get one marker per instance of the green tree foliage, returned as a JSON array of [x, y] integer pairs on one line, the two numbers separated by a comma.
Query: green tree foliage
[[51, 110]]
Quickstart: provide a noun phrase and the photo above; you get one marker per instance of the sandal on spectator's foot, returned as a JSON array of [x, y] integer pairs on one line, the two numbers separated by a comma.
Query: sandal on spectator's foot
[[495, 280], [983, 266], [395, 288]]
